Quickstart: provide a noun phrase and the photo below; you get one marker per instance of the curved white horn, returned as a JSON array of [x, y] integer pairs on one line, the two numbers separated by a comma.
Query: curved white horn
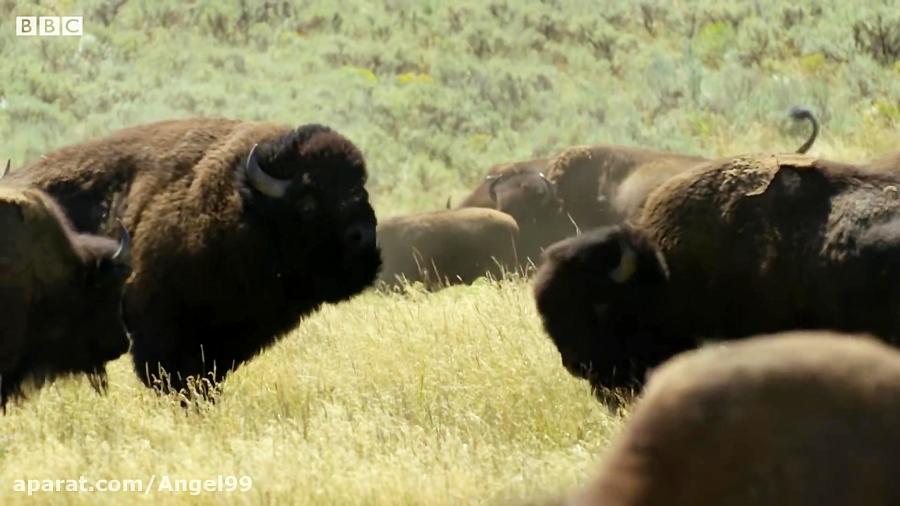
[[123, 253], [266, 184], [627, 265]]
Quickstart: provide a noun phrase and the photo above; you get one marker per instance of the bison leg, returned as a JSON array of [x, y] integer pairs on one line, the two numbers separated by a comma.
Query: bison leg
[[190, 367], [13, 327]]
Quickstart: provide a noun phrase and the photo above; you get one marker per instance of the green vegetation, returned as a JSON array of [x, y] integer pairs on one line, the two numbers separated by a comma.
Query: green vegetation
[[455, 397], [435, 92]]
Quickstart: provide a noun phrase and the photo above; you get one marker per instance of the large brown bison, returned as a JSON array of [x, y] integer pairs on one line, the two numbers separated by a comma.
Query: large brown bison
[[522, 190], [60, 294], [240, 229], [445, 247], [790, 419], [741, 246], [603, 185]]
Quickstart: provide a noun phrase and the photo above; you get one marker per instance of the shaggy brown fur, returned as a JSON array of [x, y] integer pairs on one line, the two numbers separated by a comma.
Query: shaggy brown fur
[[521, 190], [445, 247], [737, 247], [528, 169], [230, 250], [60, 295], [602, 185], [605, 185], [790, 419]]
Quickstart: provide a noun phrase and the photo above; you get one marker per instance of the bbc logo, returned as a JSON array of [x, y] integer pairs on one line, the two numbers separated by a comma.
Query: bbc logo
[[49, 26]]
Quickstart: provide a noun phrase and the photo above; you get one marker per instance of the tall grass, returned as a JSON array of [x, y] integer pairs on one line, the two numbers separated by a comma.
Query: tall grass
[[405, 398]]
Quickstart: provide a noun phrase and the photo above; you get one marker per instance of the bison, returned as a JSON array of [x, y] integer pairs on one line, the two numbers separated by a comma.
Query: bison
[[455, 246], [604, 185], [795, 418], [740, 246], [601, 185], [240, 229], [522, 190], [60, 292]]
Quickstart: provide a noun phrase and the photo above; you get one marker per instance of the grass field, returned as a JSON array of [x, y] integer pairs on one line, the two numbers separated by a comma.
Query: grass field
[[447, 398], [455, 397]]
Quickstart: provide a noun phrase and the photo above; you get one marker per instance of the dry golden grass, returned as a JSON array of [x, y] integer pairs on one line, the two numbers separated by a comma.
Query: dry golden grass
[[455, 397]]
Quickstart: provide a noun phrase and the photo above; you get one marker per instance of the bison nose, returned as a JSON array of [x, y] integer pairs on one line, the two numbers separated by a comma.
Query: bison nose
[[360, 237]]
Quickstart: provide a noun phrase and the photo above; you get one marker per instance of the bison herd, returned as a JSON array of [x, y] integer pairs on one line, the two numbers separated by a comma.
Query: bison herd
[[199, 242]]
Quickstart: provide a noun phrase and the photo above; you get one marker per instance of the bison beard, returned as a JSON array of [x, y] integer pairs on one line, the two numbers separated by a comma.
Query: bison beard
[[240, 229]]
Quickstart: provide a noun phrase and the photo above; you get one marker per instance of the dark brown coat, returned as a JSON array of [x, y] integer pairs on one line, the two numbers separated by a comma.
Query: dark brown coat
[[447, 247], [786, 420], [230, 250], [736, 247], [602, 185], [527, 170], [522, 190], [605, 185], [60, 294]]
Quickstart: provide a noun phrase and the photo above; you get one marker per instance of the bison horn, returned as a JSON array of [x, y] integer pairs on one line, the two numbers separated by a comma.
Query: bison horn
[[123, 253], [6, 170], [266, 184], [492, 191], [627, 266], [550, 186]]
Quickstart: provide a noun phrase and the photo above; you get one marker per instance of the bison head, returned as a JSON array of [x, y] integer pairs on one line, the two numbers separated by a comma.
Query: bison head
[[93, 298], [308, 189], [524, 195], [530, 198], [597, 295]]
